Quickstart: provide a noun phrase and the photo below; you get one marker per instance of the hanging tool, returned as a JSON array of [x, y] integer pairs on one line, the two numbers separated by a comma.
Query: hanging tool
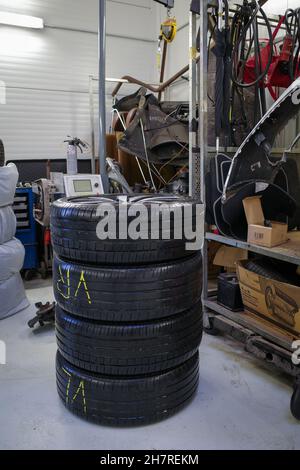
[[168, 31]]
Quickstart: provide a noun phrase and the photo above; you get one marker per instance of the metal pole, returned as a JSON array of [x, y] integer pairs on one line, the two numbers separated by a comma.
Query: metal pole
[[193, 105], [92, 123], [203, 140], [203, 100], [102, 94]]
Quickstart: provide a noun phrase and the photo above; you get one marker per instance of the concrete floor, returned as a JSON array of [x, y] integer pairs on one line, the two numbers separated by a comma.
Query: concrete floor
[[241, 404]]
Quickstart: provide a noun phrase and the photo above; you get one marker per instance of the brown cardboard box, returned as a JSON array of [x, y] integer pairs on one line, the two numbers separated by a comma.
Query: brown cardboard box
[[228, 256], [272, 300], [258, 234]]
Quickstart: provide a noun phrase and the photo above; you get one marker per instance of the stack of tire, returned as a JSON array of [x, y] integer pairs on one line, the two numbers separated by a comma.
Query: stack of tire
[[128, 318], [12, 252]]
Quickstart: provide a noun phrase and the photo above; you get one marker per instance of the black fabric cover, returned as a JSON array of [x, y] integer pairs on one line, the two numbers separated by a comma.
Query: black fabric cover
[[167, 138], [281, 199], [277, 205], [252, 161]]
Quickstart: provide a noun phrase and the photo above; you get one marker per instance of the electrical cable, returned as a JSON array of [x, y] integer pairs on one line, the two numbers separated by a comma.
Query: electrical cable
[[251, 60], [244, 29], [292, 23]]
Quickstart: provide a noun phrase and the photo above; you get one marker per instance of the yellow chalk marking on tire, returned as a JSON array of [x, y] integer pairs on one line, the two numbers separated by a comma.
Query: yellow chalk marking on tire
[[81, 388], [68, 386], [62, 281], [83, 282]]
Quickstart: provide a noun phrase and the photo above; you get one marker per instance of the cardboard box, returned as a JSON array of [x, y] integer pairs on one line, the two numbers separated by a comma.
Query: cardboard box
[[228, 256], [258, 234], [274, 301]]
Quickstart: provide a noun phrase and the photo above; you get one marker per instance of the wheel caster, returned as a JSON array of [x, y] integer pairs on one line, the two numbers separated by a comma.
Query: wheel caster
[[43, 270], [210, 329], [295, 401], [29, 274]]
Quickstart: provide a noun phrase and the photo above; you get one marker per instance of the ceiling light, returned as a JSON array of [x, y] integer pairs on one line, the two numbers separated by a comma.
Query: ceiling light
[[24, 21]]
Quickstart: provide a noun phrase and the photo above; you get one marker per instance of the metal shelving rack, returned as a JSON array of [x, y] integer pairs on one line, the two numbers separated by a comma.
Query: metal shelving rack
[[260, 338], [282, 252], [264, 341], [211, 307]]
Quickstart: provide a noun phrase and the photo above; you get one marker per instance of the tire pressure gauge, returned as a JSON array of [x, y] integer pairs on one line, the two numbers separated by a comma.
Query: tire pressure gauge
[[83, 185]]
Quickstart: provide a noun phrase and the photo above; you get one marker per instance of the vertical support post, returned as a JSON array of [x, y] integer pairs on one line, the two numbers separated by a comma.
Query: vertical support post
[[203, 138], [92, 123], [203, 100], [193, 104], [102, 94]]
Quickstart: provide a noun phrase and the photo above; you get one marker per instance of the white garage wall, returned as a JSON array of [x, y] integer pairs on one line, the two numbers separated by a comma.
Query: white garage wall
[[178, 56], [278, 7], [46, 72]]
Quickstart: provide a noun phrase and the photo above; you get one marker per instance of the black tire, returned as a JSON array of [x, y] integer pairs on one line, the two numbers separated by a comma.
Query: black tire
[[271, 270], [126, 349], [131, 294], [269, 298], [124, 401], [74, 223], [2, 154]]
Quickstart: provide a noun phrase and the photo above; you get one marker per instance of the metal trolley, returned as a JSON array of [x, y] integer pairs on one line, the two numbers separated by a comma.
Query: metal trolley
[[259, 339]]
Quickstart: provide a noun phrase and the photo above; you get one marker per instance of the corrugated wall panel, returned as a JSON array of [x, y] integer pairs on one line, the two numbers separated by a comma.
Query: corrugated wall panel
[[47, 72], [71, 13], [59, 59], [124, 16], [35, 123]]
